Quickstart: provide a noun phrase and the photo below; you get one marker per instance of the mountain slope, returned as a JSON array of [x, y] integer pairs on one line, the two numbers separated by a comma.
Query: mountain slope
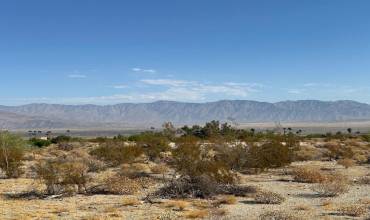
[[148, 114]]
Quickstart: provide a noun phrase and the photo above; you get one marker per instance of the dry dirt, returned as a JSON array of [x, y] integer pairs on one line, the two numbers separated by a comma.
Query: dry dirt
[[300, 201]]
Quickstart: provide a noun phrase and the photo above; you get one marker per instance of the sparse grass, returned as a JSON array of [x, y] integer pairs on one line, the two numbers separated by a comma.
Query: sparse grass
[[130, 201], [193, 214], [178, 205], [218, 212], [226, 200], [110, 209], [328, 205], [303, 207], [352, 210], [267, 197], [346, 163], [159, 169], [202, 204]]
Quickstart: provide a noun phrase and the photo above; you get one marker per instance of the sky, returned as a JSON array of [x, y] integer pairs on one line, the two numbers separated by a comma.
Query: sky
[[118, 51]]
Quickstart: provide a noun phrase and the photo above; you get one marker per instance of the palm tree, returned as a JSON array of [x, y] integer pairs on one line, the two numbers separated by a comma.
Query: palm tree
[[349, 130]]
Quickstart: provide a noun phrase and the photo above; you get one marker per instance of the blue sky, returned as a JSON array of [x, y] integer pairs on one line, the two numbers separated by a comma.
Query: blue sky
[[105, 52]]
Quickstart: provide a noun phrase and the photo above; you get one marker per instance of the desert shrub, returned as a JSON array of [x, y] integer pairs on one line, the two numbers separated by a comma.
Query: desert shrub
[[160, 169], [334, 185], [308, 175], [346, 163], [277, 215], [200, 187], [194, 160], [365, 180], [267, 197], [61, 139], [95, 165], [116, 152], [121, 185], [270, 155], [185, 187], [65, 146], [237, 190], [62, 176], [11, 154], [39, 142], [336, 151], [307, 154], [134, 170], [365, 137], [152, 143], [353, 210], [234, 156]]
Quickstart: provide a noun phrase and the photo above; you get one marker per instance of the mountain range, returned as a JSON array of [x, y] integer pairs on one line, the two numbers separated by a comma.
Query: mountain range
[[55, 116]]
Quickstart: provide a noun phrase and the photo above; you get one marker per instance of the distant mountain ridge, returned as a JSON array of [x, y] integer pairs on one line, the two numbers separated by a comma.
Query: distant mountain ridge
[[154, 114]]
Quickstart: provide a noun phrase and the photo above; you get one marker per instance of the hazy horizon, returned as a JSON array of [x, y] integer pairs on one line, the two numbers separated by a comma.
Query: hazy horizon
[[200, 102]]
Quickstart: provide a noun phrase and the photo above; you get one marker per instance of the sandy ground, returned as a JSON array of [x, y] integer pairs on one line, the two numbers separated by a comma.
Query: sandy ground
[[297, 195]]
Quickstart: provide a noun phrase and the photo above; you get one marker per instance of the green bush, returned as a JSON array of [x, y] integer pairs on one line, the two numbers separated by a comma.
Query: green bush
[[193, 160], [39, 143], [270, 155], [61, 139], [11, 154], [116, 152]]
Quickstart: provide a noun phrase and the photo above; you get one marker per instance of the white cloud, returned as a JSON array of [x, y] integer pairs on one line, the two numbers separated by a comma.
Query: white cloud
[[165, 82], [120, 86], [140, 70], [77, 76], [136, 69]]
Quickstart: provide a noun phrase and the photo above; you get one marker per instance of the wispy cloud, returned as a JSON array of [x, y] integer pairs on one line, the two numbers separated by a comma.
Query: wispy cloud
[[180, 89], [141, 70], [166, 82], [77, 76], [296, 91], [163, 89]]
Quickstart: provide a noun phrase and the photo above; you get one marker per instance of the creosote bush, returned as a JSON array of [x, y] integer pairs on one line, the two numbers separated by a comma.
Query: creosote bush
[[194, 160], [11, 154], [277, 215], [269, 155], [336, 151], [62, 176], [333, 185], [308, 175], [267, 197], [117, 152]]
